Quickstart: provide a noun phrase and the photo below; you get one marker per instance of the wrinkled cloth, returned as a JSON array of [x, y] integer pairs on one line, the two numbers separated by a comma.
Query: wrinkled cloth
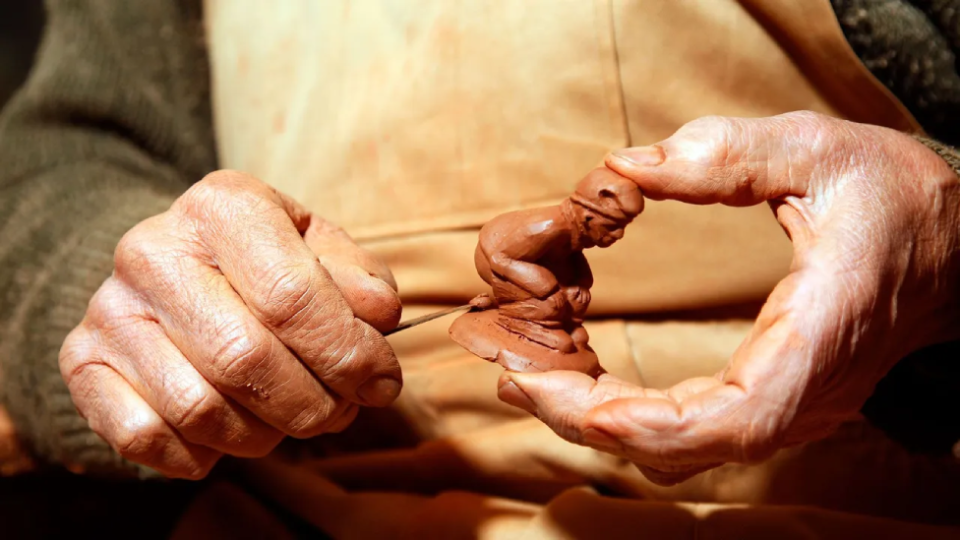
[[450, 461]]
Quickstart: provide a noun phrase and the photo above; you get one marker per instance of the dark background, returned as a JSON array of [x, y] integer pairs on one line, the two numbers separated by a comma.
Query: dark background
[[21, 22]]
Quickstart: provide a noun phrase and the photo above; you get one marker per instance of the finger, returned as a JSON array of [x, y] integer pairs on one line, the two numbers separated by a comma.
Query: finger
[[146, 358], [565, 400], [329, 240], [364, 280], [256, 243], [211, 326], [616, 417], [732, 161], [123, 419], [562, 399]]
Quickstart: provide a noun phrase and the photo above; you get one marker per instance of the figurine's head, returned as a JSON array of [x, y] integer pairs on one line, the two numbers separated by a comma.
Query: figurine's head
[[605, 203]]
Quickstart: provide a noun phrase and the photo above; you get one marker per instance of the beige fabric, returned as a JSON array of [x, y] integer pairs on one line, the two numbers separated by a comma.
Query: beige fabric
[[411, 122]]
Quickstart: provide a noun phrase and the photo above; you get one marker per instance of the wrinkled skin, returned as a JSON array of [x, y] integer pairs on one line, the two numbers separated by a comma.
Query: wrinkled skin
[[873, 217], [231, 320]]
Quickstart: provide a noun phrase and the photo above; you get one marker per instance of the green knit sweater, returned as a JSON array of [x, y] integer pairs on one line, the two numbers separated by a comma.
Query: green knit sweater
[[114, 123]]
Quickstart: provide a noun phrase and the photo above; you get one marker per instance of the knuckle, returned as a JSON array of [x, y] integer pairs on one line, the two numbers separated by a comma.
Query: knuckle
[[83, 362], [110, 306], [140, 442], [135, 253], [203, 199], [76, 355], [147, 258], [708, 140], [239, 357], [712, 122], [818, 132], [193, 410], [228, 178], [285, 295], [715, 131], [341, 353], [223, 192], [315, 420]]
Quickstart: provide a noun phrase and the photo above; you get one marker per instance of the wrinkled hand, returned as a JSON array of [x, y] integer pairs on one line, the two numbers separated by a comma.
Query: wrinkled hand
[[874, 218], [231, 320]]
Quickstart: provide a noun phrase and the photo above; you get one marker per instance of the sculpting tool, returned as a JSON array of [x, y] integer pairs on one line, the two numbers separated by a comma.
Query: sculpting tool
[[427, 318]]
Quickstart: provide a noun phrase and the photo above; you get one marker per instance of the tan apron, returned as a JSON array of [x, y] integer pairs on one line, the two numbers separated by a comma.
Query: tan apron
[[412, 122]]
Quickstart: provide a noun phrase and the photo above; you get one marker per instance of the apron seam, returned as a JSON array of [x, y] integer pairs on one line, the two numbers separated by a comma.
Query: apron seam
[[633, 352], [607, 34]]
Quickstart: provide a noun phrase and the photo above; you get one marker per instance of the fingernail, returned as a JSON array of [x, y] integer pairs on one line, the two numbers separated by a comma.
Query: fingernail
[[512, 394], [379, 391], [646, 156], [597, 439]]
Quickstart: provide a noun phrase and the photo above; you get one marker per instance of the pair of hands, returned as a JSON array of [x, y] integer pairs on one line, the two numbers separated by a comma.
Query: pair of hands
[[220, 331]]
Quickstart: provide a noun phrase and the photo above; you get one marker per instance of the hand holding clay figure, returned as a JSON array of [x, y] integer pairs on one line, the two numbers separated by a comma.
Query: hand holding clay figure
[[534, 261], [874, 217], [231, 320]]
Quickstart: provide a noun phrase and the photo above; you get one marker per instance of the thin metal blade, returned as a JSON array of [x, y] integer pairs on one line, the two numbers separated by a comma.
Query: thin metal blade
[[427, 318]]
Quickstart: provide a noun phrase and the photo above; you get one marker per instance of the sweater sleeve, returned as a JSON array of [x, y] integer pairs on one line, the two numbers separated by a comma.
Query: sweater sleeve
[[111, 126]]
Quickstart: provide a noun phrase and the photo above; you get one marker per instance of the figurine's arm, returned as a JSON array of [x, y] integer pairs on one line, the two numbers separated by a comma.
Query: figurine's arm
[[530, 277], [581, 269], [584, 280]]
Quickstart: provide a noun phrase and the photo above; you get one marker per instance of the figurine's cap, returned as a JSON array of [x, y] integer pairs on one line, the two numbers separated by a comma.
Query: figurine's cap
[[610, 195]]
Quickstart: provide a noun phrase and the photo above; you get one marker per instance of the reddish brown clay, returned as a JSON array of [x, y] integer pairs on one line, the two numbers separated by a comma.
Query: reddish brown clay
[[541, 280]]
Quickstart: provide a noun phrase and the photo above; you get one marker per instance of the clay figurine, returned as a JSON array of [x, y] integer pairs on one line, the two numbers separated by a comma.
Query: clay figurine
[[534, 261]]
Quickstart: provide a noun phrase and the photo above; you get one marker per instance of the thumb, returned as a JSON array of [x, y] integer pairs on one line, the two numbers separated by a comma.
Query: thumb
[[732, 161], [562, 399]]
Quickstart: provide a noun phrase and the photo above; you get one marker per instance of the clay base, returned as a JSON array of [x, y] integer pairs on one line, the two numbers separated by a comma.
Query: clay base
[[480, 334]]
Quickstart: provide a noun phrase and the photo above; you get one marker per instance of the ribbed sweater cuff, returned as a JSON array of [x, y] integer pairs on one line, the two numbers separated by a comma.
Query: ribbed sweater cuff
[[90, 258], [949, 154], [64, 278]]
